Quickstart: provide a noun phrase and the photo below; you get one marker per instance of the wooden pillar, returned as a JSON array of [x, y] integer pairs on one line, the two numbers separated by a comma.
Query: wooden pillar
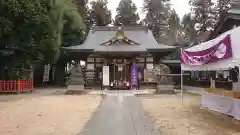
[[95, 71], [145, 62], [155, 60], [85, 73], [125, 70], [114, 72]]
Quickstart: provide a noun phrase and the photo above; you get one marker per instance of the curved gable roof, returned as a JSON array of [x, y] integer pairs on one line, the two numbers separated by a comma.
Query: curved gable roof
[[139, 34]]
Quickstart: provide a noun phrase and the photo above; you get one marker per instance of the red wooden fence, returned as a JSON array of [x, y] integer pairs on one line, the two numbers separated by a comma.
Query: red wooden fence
[[16, 86]]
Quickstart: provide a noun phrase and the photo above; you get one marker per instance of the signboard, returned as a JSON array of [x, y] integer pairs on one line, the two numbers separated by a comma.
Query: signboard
[[134, 75], [46, 73], [105, 76]]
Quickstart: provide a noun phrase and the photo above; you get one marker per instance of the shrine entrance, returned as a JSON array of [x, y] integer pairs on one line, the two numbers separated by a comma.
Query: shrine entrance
[[120, 73]]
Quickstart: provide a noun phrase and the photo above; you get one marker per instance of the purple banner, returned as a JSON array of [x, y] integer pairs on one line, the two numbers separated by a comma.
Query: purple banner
[[220, 51], [134, 75]]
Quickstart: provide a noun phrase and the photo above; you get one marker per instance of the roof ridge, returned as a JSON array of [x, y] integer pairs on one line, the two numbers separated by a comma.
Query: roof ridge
[[116, 28]]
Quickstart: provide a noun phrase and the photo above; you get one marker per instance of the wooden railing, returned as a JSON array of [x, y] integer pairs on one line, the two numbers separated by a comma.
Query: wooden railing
[[16, 86]]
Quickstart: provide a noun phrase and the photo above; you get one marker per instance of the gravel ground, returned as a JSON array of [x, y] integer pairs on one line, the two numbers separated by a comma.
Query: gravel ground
[[46, 115], [173, 118]]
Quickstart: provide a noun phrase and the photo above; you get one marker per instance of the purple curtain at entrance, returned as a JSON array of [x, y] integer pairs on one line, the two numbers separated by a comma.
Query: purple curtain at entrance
[[134, 75], [220, 51]]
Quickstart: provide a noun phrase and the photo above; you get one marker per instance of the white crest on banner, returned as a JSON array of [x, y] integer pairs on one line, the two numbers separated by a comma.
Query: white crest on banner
[[221, 51]]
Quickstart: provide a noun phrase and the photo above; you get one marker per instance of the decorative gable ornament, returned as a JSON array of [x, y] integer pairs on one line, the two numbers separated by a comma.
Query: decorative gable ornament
[[120, 34], [120, 38]]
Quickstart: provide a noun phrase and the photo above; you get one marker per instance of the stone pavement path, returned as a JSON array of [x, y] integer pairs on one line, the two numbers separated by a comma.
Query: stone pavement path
[[119, 114]]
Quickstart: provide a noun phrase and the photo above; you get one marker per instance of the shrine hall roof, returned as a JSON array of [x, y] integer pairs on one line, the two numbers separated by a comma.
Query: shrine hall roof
[[141, 38]]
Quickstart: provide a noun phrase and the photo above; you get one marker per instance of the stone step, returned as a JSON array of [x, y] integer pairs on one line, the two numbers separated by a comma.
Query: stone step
[[75, 87], [76, 73], [76, 82], [77, 78]]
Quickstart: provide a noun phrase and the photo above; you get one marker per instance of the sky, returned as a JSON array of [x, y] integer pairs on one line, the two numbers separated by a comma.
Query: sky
[[181, 6]]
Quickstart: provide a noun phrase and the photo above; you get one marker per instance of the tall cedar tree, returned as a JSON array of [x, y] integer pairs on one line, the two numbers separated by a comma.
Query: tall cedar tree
[[204, 17], [203, 12], [100, 15], [157, 14], [174, 28], [188, 24], [126, 13], [85, 12]]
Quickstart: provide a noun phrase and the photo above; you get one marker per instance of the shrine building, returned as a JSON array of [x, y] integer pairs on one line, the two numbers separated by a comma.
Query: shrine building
[[120, 49]]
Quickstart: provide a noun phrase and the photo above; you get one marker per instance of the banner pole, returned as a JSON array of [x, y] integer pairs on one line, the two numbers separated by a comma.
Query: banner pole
[[181, 49], [181, 86]]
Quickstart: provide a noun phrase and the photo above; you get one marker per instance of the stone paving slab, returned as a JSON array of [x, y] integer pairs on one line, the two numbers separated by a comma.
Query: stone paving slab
[[134, 92], [119, 114]]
